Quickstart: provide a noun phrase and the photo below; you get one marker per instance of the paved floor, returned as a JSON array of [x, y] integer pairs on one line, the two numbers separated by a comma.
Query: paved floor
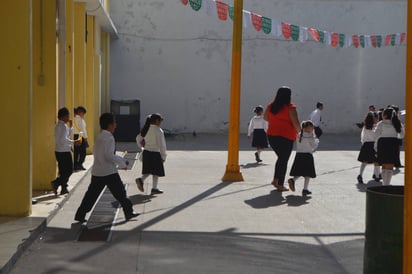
[[203, 225]]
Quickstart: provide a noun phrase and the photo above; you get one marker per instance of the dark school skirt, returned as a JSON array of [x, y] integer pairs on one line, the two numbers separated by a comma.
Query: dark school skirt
[[367, 153], [260, 138], [388, 149], [303, 165], [152, 163]]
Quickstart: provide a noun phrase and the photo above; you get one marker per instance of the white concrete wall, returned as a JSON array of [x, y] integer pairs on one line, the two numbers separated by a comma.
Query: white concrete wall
[[177, 61]]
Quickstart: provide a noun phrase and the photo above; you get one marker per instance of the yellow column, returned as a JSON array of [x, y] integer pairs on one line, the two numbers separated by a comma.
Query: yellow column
[[69, 95], [44, 92], [79, 70], [232, 173], [105, 88], [407, 228], [16, 108], [90, 63]]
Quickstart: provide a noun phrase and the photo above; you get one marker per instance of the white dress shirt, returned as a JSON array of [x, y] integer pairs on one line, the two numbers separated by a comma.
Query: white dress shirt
[[106, 161], [62, 137], [155, 141], [315, 117], [308, 144], [257, 122], [385, 129], [368, 135], [79, 126]]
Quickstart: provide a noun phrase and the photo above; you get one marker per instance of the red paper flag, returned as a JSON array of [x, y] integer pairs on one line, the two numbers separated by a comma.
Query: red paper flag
[[314, 33], [286, 30], [403, 36], [374, 41], [184, 2], [257, 21], [355, 40], [334, 39], [388, 39], [222, 10]]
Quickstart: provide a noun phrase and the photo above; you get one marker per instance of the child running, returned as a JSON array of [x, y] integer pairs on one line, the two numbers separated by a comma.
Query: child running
[[367, 154], [388, 132], [257, 130], [152, 140], [303, 165]]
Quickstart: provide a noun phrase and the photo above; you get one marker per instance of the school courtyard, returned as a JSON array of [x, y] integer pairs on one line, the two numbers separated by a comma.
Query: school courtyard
[[201, 224]]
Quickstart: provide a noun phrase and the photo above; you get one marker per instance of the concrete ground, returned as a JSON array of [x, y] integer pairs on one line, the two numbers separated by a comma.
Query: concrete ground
[[203, 225]]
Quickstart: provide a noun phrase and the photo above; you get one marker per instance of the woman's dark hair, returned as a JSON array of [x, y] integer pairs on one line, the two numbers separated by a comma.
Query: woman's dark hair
[[369, 120], [391, 114], [304, 125], [63, 112], [106, 119], [258, 109], [283, 98], [150, 120], [81, 109]]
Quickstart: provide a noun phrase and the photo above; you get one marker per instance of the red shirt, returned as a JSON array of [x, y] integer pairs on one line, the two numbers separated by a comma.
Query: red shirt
[[280, 123]]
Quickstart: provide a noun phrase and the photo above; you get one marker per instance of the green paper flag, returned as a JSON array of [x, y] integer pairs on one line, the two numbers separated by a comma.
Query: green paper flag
[[196, 4], [362, 40], [295, 32], [321, 36], [266, 25], [341, 40], [379, 41], [393, 39], [231, 12]]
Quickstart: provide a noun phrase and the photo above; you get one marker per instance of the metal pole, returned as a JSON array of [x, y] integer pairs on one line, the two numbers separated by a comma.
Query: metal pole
[[232, 173], [407, 227]]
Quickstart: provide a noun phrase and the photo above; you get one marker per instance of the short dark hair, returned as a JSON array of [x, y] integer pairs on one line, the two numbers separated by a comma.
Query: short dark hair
[[63, 112], [106, 119], [319, 104], [81, 109]]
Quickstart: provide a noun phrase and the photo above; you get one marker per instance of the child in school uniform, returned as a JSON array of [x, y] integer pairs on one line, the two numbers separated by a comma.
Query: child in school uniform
[[388, 132], [152, 141], [367, 153], [303, 165], [257, 130]]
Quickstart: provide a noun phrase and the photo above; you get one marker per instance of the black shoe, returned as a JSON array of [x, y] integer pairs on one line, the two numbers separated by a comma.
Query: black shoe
[[139, 183], [291, 183], [257, 157], [156, 191], [54, 187], [360, 180], [306, 192], [82, 168], [80, 219], [131, 215], [377, 179], [64, 191]]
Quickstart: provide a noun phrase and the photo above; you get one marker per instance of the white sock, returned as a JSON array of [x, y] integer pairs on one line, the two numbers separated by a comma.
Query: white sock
[[362, 168], [295, 178], [144, 176], [306, 183], [389, 173], [376, 171], [385, 177], [155, 180]]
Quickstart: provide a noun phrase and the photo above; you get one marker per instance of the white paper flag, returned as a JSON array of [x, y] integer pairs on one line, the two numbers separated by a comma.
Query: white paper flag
[[247, 19], [210, 7], [276, 27], [303, 34]]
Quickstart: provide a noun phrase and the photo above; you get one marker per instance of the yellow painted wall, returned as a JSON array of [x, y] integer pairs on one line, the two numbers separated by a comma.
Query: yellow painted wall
[[90, 90], [79, 54], [15, 108], [44, 92], [105, 82], [69, 55]]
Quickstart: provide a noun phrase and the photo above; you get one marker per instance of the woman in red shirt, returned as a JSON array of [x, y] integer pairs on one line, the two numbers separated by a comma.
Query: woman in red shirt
[[283, 126]]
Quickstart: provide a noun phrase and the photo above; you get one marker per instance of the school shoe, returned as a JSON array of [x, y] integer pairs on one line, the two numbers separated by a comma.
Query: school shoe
[[64, 191], [54, 187], [139, 183], [291, 183], [156, 191], [131, 215], [377, 179], [80, 219], [360, 180], [306, 192], [257, 157]]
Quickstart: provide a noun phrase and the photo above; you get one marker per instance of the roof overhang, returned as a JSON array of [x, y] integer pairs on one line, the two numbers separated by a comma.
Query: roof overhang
[[97, 9]]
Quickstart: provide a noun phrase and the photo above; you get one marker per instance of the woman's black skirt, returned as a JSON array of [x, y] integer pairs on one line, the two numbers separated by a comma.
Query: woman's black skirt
[[388, 149], [367, 153], [153, 163], [303, 165], [260, 138]]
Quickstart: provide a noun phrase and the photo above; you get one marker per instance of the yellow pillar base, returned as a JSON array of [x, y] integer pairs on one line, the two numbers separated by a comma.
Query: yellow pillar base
[[232, 174]]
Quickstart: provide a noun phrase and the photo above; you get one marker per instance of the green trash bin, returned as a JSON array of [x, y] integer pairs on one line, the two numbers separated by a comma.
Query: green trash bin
[[384, 230]]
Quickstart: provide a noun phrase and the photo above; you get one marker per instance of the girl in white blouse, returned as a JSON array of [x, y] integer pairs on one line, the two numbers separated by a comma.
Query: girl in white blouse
[[388, 132], [304, 165], [257, 130], [152, 140]]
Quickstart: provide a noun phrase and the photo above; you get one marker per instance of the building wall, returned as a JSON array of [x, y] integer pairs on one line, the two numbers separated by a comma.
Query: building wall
[[177, 61]]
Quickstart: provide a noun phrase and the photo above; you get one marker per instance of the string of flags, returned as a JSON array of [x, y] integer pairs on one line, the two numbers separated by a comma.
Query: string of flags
[[293, 32]]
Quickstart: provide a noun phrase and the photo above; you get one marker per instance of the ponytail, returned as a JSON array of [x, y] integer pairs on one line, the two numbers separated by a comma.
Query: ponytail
[[146, 126], [391, 114]]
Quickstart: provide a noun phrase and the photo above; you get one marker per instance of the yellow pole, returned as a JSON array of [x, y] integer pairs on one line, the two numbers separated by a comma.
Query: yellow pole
[[407, 227], [232, 173]]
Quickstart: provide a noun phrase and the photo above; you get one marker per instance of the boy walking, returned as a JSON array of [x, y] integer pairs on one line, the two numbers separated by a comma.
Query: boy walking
[[104, 172]]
